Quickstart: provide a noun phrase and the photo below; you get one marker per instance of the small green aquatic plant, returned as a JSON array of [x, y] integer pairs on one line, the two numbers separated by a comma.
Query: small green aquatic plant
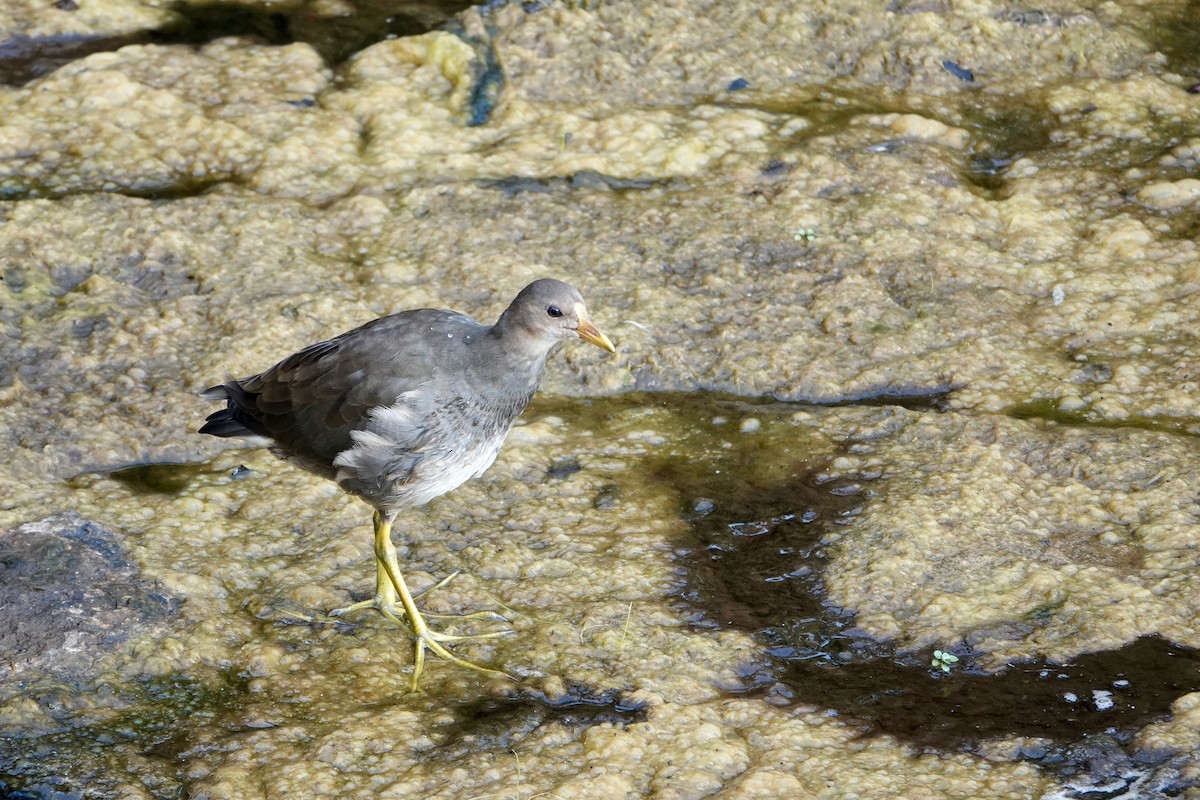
[[943, 660], [805, 235]]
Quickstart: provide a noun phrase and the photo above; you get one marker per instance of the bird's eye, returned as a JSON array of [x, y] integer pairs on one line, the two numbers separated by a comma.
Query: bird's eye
[[554, 311]]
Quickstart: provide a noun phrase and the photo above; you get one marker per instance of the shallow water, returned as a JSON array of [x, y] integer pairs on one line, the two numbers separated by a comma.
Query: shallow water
[[757, 508]]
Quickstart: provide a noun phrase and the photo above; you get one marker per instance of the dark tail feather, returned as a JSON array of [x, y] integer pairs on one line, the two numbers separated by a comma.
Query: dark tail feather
[[221, 423], [229, 420]]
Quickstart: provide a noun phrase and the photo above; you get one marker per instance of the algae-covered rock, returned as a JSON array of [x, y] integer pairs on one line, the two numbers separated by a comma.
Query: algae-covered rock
[[968, 227]]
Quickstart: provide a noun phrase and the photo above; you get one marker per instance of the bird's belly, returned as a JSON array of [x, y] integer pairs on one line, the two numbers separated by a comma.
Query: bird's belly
[[433, 477], [393, 478]]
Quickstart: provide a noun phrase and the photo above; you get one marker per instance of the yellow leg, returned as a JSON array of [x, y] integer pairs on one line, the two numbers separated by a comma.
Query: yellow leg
[[386, 597], [390, 587], [385, 594]]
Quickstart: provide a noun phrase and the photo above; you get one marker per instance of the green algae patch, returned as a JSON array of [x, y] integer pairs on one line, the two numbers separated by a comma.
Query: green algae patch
[[158, 478], [1069, 413]]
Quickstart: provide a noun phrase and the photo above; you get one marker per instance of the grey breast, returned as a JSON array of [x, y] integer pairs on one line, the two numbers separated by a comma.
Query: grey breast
[[437, 426]]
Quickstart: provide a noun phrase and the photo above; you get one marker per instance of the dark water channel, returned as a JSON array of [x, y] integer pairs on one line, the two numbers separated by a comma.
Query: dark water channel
[[753, 559]]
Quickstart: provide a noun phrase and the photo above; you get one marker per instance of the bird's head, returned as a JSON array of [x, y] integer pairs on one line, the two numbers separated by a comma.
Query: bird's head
[[549, 311]]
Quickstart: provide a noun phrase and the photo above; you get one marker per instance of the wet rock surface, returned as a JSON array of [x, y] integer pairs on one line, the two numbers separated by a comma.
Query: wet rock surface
[[966, 230], [68, 595]]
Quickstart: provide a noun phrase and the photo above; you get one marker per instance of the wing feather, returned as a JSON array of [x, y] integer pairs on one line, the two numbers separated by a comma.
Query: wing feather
[[311, 402]]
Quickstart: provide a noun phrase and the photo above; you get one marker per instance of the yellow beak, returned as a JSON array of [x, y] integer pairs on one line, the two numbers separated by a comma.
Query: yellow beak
[[590, 333]]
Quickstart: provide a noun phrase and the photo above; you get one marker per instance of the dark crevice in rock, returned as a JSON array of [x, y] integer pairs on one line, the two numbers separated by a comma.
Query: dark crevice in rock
[[1050, 411], [591, 181], [182, 189], [484, 725], [23, 59]]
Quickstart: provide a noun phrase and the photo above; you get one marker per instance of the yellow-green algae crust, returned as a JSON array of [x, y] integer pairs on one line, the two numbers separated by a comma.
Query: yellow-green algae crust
[[825, 233], [33, 19], [324, 712], [1024, 538]]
